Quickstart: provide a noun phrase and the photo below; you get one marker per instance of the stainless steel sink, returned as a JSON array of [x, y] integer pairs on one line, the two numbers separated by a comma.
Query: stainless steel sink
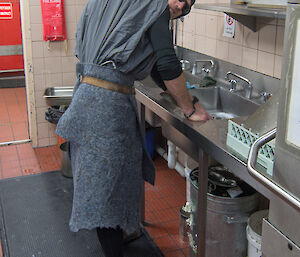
[[220, 103], [218, 100]]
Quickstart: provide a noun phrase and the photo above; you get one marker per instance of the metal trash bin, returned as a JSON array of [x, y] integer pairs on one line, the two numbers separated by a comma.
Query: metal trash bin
[[226, 216], [66, 167]]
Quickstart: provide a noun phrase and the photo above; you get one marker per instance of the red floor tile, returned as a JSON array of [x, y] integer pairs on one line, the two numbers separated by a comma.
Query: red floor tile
[[20, 130], [158, 204], [156, 230], [25, 151], [11, 172], [176, 253], [166, 243], [166, 215], [30, 166]]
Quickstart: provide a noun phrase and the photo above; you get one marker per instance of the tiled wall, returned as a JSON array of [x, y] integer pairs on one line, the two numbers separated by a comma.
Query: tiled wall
[[52, 67], [261, 51], [201, 31]]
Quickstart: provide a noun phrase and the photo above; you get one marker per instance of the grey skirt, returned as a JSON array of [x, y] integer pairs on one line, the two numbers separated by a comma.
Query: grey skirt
[[107, 158]]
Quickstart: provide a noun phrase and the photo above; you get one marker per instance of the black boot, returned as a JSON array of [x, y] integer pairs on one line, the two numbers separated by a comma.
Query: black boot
[[111, 241]]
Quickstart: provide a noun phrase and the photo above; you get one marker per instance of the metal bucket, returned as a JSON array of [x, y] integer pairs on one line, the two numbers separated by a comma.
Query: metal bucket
[[66, 168], [226, 221]]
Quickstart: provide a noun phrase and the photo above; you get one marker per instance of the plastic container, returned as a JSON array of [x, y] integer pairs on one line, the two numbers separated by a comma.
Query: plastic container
[[150, 141], [254, 233]]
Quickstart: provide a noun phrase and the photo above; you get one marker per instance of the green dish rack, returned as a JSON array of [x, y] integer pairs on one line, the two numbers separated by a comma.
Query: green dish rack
[[241, 139]]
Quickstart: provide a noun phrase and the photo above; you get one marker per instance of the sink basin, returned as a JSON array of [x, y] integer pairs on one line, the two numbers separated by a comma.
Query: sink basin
[[220, 103]]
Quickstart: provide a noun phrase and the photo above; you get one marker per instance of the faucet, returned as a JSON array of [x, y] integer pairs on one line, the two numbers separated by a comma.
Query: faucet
[[185, 65], [206, 70], [233, 83]]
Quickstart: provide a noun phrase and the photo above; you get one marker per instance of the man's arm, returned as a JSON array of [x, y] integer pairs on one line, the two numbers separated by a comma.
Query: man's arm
[[178, 89], [169, 70]]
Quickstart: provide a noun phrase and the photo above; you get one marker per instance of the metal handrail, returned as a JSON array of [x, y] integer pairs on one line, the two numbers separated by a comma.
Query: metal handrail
[[278, 190]]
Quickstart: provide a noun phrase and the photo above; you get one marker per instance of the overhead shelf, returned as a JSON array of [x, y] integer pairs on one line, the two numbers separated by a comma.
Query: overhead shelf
[[244, 14]]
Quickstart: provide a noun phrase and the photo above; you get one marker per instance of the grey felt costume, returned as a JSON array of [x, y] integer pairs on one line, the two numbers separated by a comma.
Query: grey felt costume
[[109, 160]]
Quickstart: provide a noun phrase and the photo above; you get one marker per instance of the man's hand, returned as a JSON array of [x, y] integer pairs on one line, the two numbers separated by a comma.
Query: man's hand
[[178, 89], [200, 114]]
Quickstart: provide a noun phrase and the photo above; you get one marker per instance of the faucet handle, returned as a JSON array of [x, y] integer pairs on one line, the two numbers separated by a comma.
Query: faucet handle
[[206, 70], [265, 96], [185, 65], [232, 85]]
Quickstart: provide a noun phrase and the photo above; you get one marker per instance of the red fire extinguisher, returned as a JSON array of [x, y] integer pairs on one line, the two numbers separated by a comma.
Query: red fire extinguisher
[[53, 20]]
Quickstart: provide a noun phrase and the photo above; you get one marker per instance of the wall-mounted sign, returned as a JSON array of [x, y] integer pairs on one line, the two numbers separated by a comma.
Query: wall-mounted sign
[[6, 11], [229, 26]]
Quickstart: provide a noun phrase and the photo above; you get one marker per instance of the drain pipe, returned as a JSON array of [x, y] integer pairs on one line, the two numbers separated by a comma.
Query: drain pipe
[[172, 155], [187, 172], [178, 167]]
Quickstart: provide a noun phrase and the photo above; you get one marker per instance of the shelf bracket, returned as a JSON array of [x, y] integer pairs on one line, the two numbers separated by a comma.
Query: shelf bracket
[[246, 20]]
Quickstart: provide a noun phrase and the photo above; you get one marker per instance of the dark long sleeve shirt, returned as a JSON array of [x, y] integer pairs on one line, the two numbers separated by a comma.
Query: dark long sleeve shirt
[[167, 66]]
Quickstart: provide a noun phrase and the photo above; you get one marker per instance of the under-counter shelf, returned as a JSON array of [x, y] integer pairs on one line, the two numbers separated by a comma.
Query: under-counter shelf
[[244, 14]]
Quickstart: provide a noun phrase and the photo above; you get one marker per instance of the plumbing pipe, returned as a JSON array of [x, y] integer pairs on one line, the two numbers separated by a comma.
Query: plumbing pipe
[[187, 172], [178, 167], [172, 155]]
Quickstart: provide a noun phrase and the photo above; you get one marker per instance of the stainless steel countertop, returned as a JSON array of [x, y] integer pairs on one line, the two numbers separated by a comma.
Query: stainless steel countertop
[[209, 136]]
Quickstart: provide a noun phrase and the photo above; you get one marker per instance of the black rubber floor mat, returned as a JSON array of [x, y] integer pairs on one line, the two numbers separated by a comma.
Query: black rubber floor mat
[[34, 218]]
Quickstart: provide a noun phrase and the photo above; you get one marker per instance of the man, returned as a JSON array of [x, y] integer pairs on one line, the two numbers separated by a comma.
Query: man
[[118, 42]]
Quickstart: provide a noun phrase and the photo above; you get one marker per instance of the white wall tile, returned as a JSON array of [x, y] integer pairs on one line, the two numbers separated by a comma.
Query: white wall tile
[[200, 24], [235, 54], [69, 63], [266, 39], [34, 2], [69, 78], [40, 102], [71, 30], [53, 140], [38, 66], [188, 40], [40, 114], [265, 63], [249, 58], [211, 26], [36, 32], [43, 142], [211, 47], [53, 64], [200, 43], [278, 66], [190, 23], [37, 49], [54, 79], [250, 39], [39, 82], [51, 130], [222, 50], [70, 13], [55, 49], [37, 17]]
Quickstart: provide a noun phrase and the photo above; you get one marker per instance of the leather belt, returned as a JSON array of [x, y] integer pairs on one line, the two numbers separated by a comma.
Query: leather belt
[[108, 85]]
